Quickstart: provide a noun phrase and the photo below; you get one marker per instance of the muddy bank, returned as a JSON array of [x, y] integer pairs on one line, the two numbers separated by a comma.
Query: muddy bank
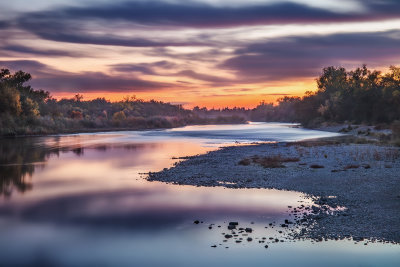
[[362, 178]]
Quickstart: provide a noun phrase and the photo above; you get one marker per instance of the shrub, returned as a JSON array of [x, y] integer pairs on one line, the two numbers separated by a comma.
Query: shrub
[[268, 162]]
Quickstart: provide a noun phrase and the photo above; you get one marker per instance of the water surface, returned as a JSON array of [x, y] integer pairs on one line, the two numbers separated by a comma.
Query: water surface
[[83, 200]]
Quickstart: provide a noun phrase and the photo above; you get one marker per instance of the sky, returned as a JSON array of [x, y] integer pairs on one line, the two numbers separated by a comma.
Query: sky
[[213, 53]]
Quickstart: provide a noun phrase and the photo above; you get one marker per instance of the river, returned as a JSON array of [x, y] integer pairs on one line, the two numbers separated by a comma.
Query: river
[[83, 200]]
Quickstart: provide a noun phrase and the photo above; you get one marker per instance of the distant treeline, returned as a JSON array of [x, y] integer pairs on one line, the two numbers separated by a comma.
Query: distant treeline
[[24, 110], [360, 96]]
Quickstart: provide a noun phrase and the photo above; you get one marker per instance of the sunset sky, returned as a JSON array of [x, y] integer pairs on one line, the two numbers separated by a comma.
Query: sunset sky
[[212, 53]]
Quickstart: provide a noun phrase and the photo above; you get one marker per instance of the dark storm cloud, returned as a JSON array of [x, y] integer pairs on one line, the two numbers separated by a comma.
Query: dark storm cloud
[[45, 77], [295, 57]]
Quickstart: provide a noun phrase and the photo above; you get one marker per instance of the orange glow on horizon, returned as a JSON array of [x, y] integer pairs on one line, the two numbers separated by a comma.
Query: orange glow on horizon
[[212, 98], [246, 101]]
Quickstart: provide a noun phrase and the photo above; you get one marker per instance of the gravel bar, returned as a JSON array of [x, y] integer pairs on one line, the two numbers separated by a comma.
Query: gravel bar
[[360, 181]]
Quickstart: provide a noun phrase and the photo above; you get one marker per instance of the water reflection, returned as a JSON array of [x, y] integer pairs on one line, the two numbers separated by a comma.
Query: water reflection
[[18, 160], [91, 206]]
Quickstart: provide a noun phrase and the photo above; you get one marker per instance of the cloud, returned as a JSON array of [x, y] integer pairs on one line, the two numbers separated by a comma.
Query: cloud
[[31, 66], [299, 57], [39, 52], [134, 68], [204, 77], [133, 209], [191, 14], [53, 80], [4, 25], [149, 69], [74, 31], [99, 24], [144, 68], [96, 81]]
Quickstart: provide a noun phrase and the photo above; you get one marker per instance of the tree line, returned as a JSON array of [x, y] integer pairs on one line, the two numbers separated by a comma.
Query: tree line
[[359, 96], [24, 110]]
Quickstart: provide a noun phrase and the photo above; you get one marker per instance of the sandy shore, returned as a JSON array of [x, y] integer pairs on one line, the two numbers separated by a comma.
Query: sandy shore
[[363, 178]]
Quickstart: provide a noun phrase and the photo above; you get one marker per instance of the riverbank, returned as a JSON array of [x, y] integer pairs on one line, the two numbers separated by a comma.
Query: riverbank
[[47, 132], [360, 178]]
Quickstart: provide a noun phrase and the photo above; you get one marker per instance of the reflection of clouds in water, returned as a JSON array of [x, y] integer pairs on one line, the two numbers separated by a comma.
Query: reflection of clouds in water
[[90, 202], [152, 150], [151, 208]]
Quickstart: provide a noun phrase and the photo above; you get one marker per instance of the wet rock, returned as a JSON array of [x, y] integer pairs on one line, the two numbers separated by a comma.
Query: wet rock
[[315, 209], [248, 230], [233, 223], [228, 236], [231, 227]]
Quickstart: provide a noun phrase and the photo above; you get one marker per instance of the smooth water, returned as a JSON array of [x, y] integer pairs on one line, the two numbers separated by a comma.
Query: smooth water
[[83, 200]]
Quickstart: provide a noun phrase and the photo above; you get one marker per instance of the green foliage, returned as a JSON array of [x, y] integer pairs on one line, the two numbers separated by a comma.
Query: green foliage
[[24, 110], [9, 100], [358, 96]]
